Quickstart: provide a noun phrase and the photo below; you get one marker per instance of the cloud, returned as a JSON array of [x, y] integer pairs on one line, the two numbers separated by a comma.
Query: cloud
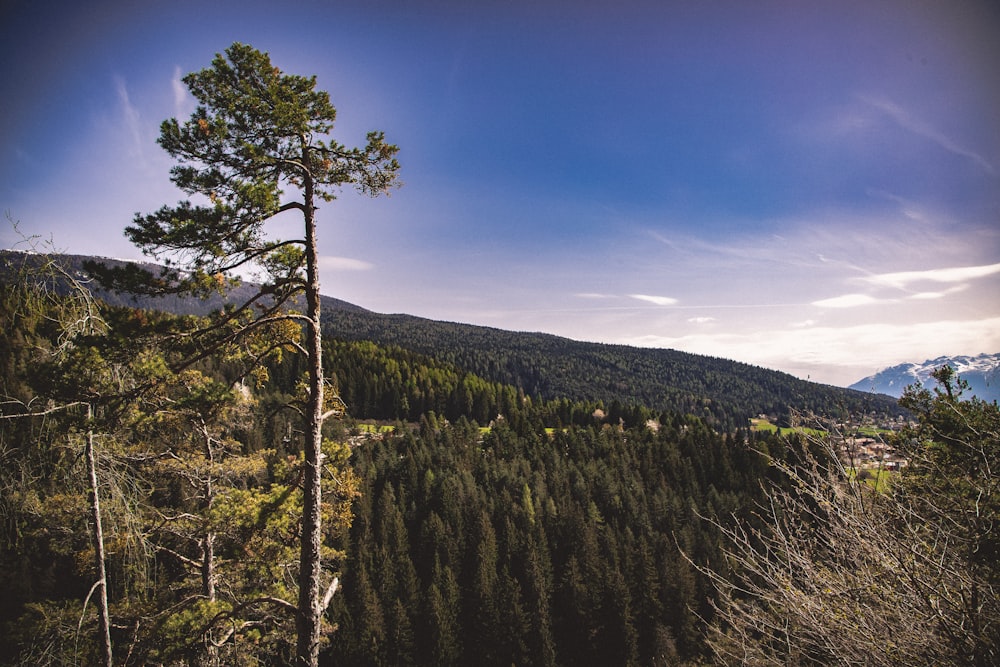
[[847, 301], [839, 354], [910, 122], [911, 209], [181, 100], [926, 296], [593, 295], [701, 320], [658, 300], [902, 279], [132, 120], [330, 263]]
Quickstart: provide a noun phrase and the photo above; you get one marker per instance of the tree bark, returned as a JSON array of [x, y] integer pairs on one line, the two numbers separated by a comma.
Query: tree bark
[[310, 613], [208, 538], [103, 618]]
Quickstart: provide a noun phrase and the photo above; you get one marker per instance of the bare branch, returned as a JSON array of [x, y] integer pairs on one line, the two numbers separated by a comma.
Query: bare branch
[[331, 590]]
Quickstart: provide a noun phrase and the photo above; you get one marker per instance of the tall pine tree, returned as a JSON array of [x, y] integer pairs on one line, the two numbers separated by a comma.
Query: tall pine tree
[[258, 145]]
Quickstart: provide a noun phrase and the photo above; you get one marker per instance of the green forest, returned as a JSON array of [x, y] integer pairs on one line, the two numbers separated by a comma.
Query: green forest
[[477, 526], [550, 368], [553, 535], [202, 471]]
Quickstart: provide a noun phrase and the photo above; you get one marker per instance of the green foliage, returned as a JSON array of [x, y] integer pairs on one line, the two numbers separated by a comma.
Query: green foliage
[[175, 477], [519, 547], [255, 134], [721, 392], [552, 537]]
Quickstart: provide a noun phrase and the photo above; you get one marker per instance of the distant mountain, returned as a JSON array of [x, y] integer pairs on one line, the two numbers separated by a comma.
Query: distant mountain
[[982, 372], [723, 392]]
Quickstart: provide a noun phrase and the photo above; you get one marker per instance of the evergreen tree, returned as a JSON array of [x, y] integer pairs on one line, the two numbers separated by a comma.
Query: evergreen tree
[[72, 320], [441, 625], [256, 135]]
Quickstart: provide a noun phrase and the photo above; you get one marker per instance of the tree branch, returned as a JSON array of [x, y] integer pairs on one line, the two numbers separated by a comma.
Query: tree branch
[[328, 596]]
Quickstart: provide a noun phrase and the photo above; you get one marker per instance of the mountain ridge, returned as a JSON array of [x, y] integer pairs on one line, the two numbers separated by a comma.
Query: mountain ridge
[[724, 392], [981, 371]]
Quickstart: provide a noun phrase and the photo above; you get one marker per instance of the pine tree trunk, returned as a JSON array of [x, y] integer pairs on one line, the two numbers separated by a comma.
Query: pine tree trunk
[[208, 539], [310, 613], [104, 623]]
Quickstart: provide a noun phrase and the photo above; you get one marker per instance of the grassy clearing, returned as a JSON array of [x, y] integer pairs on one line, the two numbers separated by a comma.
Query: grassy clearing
[[874, 432], [374, 429], [878, 479], [764, 425]]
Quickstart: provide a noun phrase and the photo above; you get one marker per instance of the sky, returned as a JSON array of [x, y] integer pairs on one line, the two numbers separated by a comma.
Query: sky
[[808, 186]]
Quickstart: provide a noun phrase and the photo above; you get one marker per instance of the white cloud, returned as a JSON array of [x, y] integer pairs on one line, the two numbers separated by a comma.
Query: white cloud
[[927, 296], [658, 300], [593, 295], [330, 263], [701, 320], [902, 279], [847, 301], [839, 355]]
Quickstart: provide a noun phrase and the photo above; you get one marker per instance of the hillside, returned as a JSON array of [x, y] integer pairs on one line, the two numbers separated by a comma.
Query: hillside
[[724, 392], [551, 537], [555, 536], [554, 367]]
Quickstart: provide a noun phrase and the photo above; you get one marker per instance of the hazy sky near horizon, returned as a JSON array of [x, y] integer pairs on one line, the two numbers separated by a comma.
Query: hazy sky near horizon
[[808, 186]]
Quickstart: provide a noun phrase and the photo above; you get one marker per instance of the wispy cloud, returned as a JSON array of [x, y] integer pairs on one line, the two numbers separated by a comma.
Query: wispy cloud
[[911, 209], [658, 300], [182, 102], [330, 263], [133, 122], [902, 279], [910, 122], [701, 320], [928, 296], [847, 301]]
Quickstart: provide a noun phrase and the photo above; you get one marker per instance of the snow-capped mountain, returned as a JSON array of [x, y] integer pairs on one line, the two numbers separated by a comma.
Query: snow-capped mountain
[[982, 372]]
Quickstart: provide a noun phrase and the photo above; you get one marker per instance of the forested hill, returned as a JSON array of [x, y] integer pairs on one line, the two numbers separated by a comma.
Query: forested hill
[[555, 367], [724, 392]]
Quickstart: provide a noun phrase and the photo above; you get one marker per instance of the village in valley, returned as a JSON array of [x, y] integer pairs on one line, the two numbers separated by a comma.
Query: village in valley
[[864, 447], [869, 453]]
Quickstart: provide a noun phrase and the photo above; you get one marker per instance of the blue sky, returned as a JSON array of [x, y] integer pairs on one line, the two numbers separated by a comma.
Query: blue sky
[[807, 186]]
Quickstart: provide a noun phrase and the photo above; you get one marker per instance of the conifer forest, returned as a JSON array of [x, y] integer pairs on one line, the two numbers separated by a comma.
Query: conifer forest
[[279, 480]]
